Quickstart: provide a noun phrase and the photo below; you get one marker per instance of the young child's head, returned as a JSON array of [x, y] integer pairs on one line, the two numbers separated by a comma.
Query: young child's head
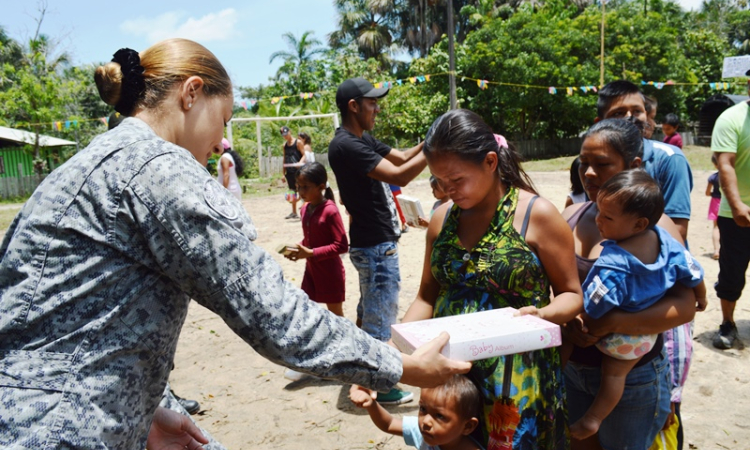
[[437, 190], [449, 412], [312, 183], [629, 203], [671, 122], [714, 161]]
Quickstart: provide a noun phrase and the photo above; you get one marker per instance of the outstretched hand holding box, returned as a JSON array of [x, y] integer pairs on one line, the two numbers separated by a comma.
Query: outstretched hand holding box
[[481, 335]]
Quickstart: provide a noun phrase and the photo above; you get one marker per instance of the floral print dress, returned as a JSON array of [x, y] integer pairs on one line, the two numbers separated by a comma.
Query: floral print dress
[[501, 271]]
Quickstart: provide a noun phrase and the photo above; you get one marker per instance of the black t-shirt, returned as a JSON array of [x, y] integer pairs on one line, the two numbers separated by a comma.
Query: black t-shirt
[[369, 201], [292, 154]]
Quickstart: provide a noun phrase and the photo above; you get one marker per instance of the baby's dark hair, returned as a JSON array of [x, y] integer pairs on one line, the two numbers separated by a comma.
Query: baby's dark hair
[[672, 119], [466, 393], [316, 174], [434, 182], [576, 186], [637, 193]]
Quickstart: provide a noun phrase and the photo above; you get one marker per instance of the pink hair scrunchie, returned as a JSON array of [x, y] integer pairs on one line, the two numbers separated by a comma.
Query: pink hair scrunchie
[[501, 142]]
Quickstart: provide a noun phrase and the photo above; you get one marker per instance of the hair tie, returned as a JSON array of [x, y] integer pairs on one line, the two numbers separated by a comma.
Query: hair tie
[[501, 142], [133, 83]]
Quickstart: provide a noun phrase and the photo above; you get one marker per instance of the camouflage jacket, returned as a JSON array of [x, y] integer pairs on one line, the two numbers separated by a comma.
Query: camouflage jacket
[[96, 274]]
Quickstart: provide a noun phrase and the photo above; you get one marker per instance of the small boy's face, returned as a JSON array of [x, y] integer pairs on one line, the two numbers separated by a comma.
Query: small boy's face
[[613, 223], [439, 422], [668, 129]]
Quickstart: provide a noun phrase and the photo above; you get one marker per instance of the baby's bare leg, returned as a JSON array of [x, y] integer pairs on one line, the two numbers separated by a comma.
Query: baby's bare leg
[[614, 372]]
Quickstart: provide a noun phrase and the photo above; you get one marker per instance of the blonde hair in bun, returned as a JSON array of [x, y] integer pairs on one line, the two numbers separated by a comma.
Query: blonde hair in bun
[[108, 80], [166, 64]]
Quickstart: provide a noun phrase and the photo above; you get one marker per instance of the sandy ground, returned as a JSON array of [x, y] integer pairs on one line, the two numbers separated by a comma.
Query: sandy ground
[[247, 403]]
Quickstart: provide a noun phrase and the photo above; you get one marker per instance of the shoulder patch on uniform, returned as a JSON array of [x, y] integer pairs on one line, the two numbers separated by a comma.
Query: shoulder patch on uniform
[[217, 198]]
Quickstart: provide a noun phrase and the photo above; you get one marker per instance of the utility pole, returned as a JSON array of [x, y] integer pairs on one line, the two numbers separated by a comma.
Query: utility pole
[[451, 57], [601, 53]]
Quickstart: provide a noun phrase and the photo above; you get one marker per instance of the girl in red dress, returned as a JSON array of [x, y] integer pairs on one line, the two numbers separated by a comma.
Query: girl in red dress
[[324, 239]]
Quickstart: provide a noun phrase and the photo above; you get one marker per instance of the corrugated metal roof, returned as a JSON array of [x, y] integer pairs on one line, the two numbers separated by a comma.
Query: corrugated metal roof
[[26, 137]]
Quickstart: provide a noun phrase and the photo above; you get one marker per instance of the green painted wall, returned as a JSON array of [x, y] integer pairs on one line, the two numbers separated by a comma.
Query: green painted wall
[[11, 157]]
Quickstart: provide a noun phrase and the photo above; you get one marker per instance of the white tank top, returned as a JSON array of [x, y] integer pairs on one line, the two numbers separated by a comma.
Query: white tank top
[[234, 183]]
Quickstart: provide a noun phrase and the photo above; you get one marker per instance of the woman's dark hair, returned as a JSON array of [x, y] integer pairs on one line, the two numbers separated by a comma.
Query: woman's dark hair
[[463, 133], [316, 174], [305, 137], [637, 194], [621, 135], [576, 186], [239, 165]]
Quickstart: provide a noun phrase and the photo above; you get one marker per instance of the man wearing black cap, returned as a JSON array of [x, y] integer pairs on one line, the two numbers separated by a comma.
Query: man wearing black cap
[[730, 142], [364, 167]]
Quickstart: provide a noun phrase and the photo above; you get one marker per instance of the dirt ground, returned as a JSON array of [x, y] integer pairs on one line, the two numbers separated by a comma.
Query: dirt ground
[[248, 404]]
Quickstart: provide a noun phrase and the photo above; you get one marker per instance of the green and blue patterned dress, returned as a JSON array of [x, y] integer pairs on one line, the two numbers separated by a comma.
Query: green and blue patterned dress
[[501, 271]]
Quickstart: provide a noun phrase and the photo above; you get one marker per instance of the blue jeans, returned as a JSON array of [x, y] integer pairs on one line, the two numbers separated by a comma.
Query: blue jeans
[[379, 283], [640, 414]]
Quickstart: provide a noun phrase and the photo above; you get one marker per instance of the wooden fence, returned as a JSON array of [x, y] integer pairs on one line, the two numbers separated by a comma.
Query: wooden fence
[[14, 187], [548, 148]]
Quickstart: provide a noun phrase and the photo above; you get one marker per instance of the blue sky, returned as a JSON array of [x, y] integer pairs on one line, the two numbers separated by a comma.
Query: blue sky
[[242, 34]]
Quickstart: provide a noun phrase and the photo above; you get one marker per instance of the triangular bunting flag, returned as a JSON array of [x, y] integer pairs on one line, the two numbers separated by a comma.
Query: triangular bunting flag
[[552, 90]]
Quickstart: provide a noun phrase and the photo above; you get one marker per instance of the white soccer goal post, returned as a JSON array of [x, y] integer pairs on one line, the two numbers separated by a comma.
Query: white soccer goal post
[[258, 120]]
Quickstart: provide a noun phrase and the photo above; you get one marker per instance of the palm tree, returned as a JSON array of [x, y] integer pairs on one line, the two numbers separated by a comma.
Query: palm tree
[[299, 59], [302, 49], [369, 26]]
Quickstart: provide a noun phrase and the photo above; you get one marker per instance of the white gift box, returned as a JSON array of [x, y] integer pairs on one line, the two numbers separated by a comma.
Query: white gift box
[[412, 209], [480, 335]]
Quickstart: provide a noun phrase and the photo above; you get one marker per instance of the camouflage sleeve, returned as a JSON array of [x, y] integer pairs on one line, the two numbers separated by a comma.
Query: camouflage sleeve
[[199, 236]]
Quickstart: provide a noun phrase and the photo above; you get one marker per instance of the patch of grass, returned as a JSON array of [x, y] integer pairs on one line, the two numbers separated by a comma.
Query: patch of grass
[[561, 163], [6, 217], [699, 157]]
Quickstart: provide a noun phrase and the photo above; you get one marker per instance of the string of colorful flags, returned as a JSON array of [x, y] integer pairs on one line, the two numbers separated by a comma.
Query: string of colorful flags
[[481, 84]]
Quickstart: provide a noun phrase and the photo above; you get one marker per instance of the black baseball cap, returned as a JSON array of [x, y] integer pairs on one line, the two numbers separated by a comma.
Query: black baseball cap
[[284, 130], [354, 88]]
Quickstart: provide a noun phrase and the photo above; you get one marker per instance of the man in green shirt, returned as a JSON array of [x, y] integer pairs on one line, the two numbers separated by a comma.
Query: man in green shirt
[[730, 142]]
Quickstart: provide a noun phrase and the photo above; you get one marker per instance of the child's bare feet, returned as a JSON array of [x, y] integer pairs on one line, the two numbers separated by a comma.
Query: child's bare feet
[[715, 256], [585, 427]]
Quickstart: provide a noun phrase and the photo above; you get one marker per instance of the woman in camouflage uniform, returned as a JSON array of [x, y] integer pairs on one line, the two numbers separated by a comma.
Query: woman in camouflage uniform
[[98, 269]]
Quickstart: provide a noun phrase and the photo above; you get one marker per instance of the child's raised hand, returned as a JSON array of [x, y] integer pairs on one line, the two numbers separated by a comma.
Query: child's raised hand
[[362, 397]]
